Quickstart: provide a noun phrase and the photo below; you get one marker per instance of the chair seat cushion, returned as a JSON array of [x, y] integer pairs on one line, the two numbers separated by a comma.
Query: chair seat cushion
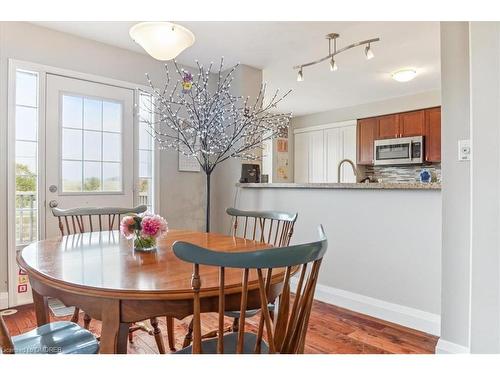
[[56, 338], [248, 313], [230, 341]]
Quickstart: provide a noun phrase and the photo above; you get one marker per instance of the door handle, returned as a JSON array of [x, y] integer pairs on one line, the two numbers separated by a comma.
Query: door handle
[[53, 203]]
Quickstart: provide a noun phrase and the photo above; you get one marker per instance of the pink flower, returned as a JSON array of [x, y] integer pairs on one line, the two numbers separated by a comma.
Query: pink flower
[[127, 226], [153, 226]]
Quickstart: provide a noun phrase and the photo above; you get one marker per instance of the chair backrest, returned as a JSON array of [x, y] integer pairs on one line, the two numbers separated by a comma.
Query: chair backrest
[[287, 333], [90, 219], [253, 225], [6, 346]]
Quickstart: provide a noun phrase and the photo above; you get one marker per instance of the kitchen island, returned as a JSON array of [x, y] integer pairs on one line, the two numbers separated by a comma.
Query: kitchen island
[[384, 252]]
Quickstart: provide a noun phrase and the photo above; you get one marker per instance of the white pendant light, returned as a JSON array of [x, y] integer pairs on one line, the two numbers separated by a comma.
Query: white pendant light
[[404, 75], [162, 40]]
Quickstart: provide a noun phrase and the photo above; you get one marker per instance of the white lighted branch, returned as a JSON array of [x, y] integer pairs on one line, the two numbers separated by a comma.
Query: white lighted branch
[[209, 123]]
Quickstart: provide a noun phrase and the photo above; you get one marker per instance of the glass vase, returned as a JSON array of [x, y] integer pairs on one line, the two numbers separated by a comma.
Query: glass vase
[[143, 243]]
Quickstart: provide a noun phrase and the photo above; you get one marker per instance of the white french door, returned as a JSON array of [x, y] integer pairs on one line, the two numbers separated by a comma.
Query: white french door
[[89, 146]]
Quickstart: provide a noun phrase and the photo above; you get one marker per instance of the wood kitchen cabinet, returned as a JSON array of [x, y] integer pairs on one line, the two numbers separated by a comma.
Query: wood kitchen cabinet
[[367, 132], [433, 135], [412, 123], [426, 122], [388, 126]]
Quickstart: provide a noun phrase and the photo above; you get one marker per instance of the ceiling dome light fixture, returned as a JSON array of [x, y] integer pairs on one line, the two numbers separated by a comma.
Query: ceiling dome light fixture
[[404, 75], [332, 38], [368, 52], [162, 40]]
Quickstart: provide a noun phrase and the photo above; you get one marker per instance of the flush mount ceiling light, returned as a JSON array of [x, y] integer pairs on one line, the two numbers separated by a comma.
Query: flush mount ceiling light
[[162, 40], [404, 75], [332, 39]]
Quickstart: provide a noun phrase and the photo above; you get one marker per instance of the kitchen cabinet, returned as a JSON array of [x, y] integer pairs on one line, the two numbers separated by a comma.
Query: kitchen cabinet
[[412, 123], [388, 127], [426, 122], [318, 153], [433, 135], [367, 133]]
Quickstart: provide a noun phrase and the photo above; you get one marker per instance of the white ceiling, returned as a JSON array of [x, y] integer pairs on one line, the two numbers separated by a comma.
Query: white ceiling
[[277, 46]]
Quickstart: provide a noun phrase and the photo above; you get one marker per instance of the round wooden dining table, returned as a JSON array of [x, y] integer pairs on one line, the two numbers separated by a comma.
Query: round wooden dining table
[[100, 273]]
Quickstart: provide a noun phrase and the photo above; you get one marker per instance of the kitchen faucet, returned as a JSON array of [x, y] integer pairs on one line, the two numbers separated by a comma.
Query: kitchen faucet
[[353, 169]]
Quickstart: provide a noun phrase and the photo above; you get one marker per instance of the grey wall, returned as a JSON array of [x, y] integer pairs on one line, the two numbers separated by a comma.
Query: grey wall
[[247, 82], [383, 244], [485, 188], [456, 177], [181, 193]]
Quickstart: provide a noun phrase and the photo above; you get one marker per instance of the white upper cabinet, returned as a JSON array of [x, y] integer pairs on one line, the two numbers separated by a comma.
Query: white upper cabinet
[[319, 150]]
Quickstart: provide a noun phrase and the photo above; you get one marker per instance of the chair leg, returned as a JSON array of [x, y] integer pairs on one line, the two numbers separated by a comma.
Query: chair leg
[[189, 335], [157, 334], [236, 324], [170, 333], [76, 315], [86, 321]]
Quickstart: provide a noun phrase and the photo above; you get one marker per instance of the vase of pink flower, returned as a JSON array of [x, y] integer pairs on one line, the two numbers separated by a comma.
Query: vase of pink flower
[[144, 229]]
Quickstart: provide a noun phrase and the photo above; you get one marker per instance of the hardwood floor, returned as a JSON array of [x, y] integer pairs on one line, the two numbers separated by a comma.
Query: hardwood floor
[[331, 330]]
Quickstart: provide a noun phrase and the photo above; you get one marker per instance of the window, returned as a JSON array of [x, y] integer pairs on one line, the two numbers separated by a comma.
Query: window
[[146, 153], [91, 144], [26, 157]]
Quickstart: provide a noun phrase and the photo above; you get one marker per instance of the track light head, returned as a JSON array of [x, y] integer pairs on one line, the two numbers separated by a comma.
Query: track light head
[[300, 76], [333, 65], [368, 52]]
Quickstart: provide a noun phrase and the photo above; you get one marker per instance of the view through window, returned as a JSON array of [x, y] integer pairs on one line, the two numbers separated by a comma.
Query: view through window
[[26, 156], [91, 139]]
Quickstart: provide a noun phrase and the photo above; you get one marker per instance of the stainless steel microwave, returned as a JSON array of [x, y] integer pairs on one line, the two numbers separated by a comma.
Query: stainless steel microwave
[[396, 151]]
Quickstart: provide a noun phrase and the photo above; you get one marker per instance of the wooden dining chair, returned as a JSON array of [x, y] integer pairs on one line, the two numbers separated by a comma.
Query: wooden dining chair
[[52, 338], [90, 219], [287, 333], [272, 227]]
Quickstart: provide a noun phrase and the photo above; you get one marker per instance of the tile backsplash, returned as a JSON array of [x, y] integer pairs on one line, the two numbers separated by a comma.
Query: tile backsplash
[[402, 173]]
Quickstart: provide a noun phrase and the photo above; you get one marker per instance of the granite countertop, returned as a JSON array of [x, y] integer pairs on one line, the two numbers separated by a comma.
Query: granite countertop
[[373, 186]]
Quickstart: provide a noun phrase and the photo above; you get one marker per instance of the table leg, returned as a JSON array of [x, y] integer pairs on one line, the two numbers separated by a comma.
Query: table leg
[[114, 333], [41, 309]]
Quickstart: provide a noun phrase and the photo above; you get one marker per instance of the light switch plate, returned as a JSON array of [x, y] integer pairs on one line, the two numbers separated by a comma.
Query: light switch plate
[[464, 150]]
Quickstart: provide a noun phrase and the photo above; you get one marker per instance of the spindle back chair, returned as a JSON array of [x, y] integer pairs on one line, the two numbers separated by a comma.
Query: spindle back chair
[[272, 227], [284, 335], [90, 219]]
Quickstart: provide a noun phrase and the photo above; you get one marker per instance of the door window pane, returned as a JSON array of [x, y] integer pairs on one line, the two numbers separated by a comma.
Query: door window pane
[[26, 89], [111, 147], [92, 176], [92, 145], [72, 144], [26, 123], [111, 176], [72, 111], [72, 176], [89, 146], [112, 117], [92, 114]]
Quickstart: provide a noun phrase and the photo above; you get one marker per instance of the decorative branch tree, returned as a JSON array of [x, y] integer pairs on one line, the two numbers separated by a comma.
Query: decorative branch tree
[[204, 120]]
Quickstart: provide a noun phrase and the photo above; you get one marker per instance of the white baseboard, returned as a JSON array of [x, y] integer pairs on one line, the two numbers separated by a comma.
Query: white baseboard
[[399, 314], [448, 347], [4, 300]]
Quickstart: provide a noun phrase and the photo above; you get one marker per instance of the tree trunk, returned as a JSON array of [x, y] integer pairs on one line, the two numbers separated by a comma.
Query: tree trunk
[[207, 220]]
